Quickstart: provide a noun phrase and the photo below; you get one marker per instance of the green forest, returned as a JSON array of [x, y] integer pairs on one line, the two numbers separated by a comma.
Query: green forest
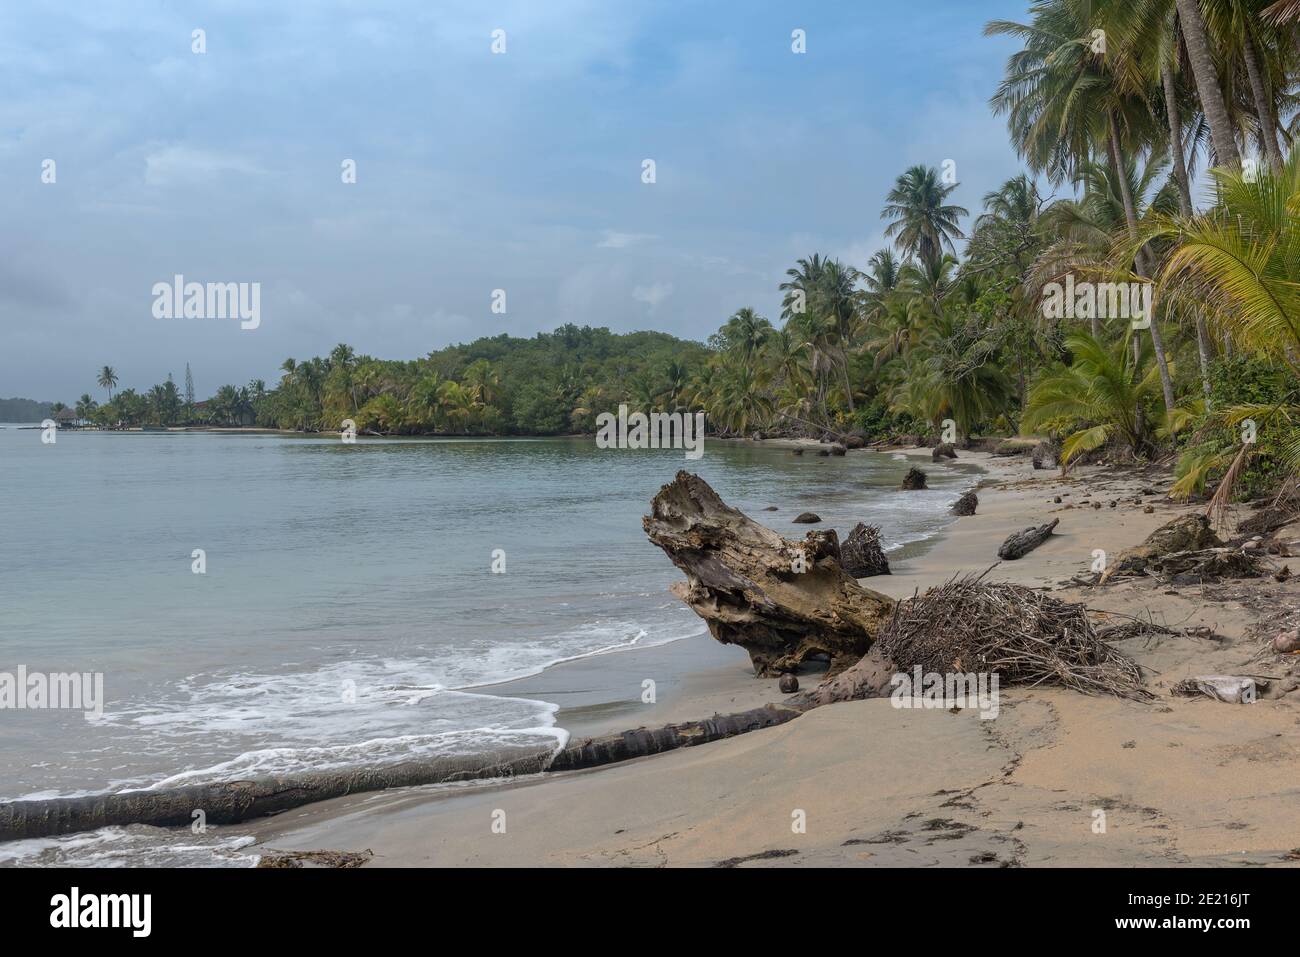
[[1155, 137]]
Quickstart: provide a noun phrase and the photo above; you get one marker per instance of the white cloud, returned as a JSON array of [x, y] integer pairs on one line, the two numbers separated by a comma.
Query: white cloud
[[184, 165], [616, 240], [653, 294]]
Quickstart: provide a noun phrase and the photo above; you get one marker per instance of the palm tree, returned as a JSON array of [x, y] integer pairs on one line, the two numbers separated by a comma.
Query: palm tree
[[1102, 390], [747, 331], [837, 299], [107, 380], [1199, 54], [924, 224]]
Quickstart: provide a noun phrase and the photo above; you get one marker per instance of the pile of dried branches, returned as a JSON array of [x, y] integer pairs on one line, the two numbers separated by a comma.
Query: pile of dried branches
[[1024, 635]]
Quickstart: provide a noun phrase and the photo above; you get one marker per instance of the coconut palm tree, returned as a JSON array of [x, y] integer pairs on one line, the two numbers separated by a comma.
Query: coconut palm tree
[[920, 219], [1197, 41], [1101, 391], [107, 380]]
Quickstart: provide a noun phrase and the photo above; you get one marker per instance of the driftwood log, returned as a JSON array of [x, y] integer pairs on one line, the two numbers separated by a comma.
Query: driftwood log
[[1022, 543], [230, 802], [782, 601], [623, 745]]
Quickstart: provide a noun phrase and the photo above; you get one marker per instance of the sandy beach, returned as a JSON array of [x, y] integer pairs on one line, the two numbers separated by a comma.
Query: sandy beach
[[1057, 778]]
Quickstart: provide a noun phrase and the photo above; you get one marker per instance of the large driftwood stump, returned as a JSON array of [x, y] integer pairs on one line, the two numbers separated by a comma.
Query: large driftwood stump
[[782, 601], [1022, 543]]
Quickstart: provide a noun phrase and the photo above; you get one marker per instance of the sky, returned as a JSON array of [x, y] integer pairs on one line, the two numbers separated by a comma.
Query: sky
[[476, 171]]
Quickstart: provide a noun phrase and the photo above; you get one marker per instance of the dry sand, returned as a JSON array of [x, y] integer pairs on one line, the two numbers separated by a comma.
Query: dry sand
[[1056, 778]]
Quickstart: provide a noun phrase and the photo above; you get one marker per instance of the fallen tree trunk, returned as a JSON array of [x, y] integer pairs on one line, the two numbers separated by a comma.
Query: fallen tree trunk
[[229, 802], [1022, 543], [638, 743], [780, 600]]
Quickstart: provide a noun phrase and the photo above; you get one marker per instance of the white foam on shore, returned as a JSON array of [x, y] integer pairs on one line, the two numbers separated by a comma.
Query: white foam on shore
[[134, 846]]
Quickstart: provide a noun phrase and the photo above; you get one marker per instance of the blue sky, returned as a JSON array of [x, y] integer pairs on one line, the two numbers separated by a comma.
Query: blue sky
[[475, 171]]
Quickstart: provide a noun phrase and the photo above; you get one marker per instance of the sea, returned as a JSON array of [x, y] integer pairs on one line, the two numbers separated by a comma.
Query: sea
[[264, 603]]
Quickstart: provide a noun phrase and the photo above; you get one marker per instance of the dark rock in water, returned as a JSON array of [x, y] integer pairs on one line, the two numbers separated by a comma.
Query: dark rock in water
[[943, 451], [966, 505], [860, 553], [914, 480], [1022, 543], [1046, 455], [770, 508], [855, 441], [807, 518], [838, 449], [825, 452], [796, 451], [788, 684]]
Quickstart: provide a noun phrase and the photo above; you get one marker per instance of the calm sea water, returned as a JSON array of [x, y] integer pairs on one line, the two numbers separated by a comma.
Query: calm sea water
[[349, 612]]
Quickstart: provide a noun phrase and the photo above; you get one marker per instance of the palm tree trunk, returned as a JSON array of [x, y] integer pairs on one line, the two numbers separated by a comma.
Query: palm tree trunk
[[1176, 139], [848, 387], [1207, 83], [1143, 267], [1203, 346], [1263, 106]]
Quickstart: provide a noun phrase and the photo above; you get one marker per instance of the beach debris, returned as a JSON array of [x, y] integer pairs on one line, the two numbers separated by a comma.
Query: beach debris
[[1009, 447], [1231, 689], [967, 504], [838, 449], [788, 683], [944, 450], [855, 441], [1185, 533], [760, 856], [806, 518], [1022, 543], [1286, 643], [1046, 455], [1268, 519], [914, 480], [294, 859], [871, 677], [782, 601], [1022, 634], [861, 554], [582, 753], [1282, 574], [229, 802]]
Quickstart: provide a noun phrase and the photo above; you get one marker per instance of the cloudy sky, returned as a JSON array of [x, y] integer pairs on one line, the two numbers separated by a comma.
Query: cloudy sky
[[476, 171]]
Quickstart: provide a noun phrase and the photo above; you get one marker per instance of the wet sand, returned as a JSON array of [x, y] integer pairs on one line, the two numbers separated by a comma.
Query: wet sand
[[1057, 778]]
